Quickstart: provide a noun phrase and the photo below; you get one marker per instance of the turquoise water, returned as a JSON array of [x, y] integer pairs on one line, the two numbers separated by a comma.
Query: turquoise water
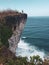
[[35, 37]]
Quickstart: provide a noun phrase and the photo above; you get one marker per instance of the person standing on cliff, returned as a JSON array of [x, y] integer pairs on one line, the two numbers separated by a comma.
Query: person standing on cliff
[[22, 11]]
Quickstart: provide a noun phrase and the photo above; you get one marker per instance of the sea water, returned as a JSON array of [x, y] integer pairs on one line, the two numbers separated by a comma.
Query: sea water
[[35, 38]]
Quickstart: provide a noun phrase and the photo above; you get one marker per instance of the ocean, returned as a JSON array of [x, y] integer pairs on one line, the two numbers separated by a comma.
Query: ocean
[[35, 37]]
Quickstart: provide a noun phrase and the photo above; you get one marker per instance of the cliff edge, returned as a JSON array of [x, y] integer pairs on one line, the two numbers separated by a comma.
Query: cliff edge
[[11, 21]]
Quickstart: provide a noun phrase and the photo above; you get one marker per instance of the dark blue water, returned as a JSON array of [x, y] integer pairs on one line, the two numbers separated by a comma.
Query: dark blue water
[[35, 38], [36, 32]]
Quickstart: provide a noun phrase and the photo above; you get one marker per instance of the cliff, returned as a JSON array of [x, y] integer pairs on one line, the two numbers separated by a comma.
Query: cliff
[[11, 21]]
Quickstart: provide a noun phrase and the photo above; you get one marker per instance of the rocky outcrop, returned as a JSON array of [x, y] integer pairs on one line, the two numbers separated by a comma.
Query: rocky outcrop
[[16, 22]]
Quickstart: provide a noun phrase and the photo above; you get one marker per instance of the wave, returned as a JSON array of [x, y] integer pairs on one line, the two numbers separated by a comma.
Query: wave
[[34, 38], [41, 43], [24, 37], [24, 49]]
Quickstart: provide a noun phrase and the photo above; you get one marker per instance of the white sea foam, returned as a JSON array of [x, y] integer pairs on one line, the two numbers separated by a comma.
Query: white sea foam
[[23, 37], [24, 49]]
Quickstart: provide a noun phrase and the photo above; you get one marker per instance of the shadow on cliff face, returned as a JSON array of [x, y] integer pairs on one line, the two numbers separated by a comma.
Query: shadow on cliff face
[[12, 21]]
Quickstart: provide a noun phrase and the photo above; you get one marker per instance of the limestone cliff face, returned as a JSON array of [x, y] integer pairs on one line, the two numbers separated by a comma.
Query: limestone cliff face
[[17, 30], [16, 22]]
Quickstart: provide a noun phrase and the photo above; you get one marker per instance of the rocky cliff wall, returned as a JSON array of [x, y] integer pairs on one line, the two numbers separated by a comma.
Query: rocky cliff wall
[[16, 22]]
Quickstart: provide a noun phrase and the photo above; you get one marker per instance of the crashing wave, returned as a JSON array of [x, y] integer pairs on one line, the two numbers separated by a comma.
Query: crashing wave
[[24, 49]]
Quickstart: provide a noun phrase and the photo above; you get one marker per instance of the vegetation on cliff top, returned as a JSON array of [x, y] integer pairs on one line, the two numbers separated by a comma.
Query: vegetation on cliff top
[[9, 13]]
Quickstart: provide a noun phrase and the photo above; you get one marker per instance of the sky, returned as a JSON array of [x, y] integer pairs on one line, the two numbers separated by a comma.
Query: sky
[[31, 7]]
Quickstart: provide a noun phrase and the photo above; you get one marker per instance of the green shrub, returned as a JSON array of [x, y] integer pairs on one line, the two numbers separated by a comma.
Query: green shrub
[[36, 60], [5, 34]]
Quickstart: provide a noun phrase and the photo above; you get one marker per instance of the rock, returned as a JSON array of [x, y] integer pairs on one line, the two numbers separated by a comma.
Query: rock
[[16, 21]]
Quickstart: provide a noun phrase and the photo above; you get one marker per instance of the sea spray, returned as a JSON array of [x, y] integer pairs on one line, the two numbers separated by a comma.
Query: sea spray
[[25, 50]]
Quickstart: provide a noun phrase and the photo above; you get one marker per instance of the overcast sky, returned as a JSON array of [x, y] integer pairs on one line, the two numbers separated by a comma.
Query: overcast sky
[[31, 7]]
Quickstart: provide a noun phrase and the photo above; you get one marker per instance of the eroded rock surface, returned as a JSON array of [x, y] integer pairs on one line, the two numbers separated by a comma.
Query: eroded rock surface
[[16, 22]]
